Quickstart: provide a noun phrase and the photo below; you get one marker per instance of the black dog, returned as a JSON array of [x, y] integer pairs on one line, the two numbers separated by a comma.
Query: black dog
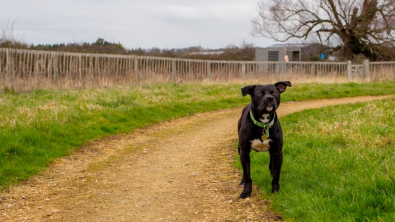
[[260, 130]]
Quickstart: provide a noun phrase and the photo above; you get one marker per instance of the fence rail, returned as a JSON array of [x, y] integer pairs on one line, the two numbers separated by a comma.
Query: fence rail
[[23, 70]]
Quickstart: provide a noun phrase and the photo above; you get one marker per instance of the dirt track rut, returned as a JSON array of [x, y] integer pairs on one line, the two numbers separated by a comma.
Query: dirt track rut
[[181, 170]]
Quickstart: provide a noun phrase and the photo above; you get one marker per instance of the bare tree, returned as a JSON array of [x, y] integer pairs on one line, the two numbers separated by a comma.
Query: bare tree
[[8, 38], [347, 27]]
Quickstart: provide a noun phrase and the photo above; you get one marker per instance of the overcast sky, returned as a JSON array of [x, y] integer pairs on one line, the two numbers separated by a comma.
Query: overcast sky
[[165, 24]]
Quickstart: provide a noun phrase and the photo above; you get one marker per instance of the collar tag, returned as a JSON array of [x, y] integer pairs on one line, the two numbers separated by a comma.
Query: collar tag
[[265, 126]]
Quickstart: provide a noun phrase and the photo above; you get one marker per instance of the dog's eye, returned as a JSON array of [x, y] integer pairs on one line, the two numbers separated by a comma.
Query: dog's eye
[[259, 94], [274, 93]]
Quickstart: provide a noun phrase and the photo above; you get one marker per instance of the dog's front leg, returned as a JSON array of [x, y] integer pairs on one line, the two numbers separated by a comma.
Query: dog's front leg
[[245, 162], [276, 160]]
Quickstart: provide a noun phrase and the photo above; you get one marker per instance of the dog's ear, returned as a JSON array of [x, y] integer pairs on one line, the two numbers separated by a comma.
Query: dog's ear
[[281, 86], [247, 90]]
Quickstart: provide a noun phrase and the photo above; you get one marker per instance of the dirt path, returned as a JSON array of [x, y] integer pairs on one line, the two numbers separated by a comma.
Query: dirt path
[[182, 170]]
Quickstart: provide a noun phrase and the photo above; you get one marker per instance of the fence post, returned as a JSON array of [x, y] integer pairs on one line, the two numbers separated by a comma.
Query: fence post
[[6, 67], [2, 71], [96, 73], [209, 70], [36, 68], [349, 71], [10, 68], [278, 71], [312, 69], [243, 70], [366, 71], [136, 70], [80, 66], [55, 67], [174, 70]]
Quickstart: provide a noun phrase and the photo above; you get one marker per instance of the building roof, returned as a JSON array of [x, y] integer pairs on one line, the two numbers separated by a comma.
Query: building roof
[[299, 45]]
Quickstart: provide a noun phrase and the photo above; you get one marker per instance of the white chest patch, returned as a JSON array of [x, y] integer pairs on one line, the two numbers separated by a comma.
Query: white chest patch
[[265, 118], [259, 146]]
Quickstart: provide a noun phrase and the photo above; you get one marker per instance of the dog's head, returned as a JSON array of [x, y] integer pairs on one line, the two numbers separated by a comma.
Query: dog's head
[[265, 98]]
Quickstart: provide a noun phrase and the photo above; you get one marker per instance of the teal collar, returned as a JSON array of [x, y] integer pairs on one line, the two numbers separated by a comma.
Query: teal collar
[[263, 125]]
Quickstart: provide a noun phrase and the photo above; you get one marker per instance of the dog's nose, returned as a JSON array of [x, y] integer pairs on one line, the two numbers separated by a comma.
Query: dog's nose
[[270, 98]]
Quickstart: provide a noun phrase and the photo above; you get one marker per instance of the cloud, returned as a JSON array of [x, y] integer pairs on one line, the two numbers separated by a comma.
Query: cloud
[[134, 23]]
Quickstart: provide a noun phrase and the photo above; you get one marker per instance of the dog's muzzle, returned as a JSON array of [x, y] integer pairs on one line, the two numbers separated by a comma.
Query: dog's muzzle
[[269, 103]]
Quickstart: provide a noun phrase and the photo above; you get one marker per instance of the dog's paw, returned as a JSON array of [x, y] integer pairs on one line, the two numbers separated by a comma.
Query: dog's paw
[[245, 195], [260, 146], [275, 188]]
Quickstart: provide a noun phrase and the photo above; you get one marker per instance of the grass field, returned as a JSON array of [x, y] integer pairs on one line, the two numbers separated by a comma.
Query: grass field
[[339, 164], [40, 126]]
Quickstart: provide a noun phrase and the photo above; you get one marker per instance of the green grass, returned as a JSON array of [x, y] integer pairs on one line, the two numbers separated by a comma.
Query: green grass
[[339, 164], [324, 91], [40, 126]]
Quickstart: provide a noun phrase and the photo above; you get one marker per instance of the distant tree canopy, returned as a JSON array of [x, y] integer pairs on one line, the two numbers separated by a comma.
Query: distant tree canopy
[[100, 46], [245, 52], [232, 52], [349, 28], [12, 44]]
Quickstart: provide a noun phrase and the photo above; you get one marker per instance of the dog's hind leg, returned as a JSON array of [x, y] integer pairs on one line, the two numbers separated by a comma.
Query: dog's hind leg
[[276, 160]]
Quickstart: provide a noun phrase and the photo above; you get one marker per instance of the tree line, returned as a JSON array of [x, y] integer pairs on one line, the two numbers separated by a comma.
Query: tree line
[[245, 52]]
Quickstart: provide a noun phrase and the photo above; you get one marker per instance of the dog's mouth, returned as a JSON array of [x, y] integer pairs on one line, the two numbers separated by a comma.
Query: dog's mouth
[[267, 106]]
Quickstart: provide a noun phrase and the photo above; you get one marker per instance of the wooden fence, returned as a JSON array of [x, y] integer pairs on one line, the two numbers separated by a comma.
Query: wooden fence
[[24, 70]]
